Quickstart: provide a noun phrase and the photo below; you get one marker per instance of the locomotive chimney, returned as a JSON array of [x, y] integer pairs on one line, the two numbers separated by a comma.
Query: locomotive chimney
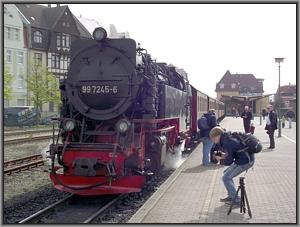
[[58, 5]]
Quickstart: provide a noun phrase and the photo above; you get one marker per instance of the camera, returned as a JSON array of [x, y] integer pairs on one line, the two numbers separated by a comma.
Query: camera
[[218, 153]]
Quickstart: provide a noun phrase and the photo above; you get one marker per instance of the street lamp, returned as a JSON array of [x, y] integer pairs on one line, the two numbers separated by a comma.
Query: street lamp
[[279, 60]]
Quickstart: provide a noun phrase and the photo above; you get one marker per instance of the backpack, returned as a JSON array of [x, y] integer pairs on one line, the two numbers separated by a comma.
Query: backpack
[[203, 123], [251, 143]]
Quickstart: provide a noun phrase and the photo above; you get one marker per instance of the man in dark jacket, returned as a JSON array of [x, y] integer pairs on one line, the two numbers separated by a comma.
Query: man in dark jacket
[[290, 115], [207, 143], [230, 155], [247, 117], [264, 113], [271, 125]]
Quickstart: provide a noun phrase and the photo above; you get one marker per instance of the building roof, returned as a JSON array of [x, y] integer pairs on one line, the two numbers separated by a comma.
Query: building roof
[[46, 17], [291, 88], [34, 14], [245, 83]]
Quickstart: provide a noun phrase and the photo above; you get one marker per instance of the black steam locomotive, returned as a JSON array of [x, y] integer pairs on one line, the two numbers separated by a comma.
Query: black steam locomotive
[[122, 112]]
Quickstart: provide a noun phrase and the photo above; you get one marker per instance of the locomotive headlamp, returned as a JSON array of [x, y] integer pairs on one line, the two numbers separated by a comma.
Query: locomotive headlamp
[[69, 125], [99, 34], [122, 125]]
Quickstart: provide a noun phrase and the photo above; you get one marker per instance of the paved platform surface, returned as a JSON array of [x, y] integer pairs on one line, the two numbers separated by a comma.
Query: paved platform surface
[[192, 193]]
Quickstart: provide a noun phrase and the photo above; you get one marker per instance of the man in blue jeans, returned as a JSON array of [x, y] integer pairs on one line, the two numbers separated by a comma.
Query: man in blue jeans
[[238, 161], [207, 143]]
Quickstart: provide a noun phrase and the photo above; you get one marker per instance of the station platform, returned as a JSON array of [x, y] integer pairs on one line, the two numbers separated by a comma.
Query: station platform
[[192, 193]]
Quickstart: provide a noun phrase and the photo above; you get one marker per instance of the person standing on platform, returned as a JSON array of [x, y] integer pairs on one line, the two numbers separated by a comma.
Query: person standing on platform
[[237, 113], [290, 115], [247, 117], [233, 112], [283, 121], [238, 162], [205, 124], [263, 113], [271, 125]]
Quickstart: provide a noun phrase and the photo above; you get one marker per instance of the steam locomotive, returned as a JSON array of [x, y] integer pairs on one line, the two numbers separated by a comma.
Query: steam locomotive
[[122, 113]]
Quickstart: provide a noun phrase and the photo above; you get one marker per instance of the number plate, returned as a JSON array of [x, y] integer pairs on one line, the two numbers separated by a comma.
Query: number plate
[[99, 89]]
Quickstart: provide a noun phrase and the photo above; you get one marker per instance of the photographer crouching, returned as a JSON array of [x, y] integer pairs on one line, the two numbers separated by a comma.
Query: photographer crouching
[[230, 154]]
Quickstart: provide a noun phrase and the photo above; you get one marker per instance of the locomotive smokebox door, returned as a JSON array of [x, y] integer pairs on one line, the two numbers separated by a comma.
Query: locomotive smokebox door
[[102, 82]]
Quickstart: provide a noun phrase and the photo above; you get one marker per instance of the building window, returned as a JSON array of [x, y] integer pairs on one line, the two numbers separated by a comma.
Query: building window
[[63, 40], [68, 24], [12, 33], [17, 34], [37, 37], [58, 40], [20, 81], [68, 41], [63, 24], [221, 86], [233, 85], [55, 61], [21, 57], [37, 58], [8, 34], [9, 56], [20, 102]]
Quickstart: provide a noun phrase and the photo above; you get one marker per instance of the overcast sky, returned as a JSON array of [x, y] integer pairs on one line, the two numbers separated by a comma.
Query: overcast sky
[[208, 39]]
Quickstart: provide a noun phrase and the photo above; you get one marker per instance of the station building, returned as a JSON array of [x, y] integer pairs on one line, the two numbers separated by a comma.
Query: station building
[[238, 90]]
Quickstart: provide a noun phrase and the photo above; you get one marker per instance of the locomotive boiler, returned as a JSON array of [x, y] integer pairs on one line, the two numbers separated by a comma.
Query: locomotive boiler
[[121, 113]]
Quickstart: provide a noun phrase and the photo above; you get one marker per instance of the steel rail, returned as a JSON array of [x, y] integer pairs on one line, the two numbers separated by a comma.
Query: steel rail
[[21, 160], [36, 215], [26, 166], [102, 209], [17, 133], [26, 140]]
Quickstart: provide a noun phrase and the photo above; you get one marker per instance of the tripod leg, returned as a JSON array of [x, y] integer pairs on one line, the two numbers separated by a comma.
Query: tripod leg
[[236, 194], [248, 205], [242, 202]]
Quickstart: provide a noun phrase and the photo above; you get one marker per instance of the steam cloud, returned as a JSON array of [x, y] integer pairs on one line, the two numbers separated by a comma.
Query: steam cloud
[[174, 160]]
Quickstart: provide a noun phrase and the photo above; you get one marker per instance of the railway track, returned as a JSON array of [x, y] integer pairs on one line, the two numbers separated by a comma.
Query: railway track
[[25, 132], [21, 164], [73, 209], [26, 139]]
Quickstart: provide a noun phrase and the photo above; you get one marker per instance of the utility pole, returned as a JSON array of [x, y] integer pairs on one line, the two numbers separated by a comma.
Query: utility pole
[[279, 60]]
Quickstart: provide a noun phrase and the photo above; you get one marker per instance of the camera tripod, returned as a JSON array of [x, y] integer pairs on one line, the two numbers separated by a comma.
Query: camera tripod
[[244, 198]]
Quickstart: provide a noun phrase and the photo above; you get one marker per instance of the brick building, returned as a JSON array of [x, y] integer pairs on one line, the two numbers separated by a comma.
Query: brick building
[[238, 90], [288, 97]]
